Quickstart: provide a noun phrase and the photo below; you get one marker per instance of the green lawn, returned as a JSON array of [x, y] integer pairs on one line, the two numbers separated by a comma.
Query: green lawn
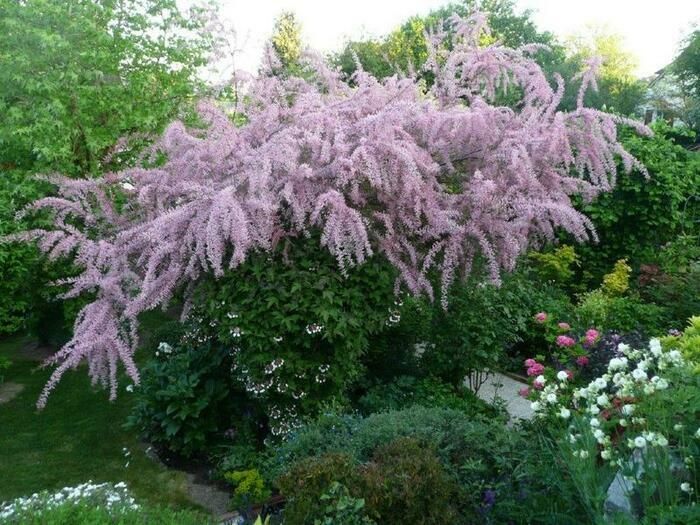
[[78, 437]]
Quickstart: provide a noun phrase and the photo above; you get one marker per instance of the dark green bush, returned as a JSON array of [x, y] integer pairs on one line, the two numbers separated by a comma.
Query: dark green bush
[[406, 391], [404, 482], [340, 508], [297, 326], [305, 483], [483, 321], [641, 215], [187, 397]]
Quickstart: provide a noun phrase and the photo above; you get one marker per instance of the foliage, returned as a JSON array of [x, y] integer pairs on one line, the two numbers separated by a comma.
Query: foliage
[[341, 508], [89, 504], [687, 342], [637, 417], [672, 279], [286, 42], [686, 67], [642, 214], [406, 391], [79, 75], [407, 48], [617, 282], [620, 313], [186, 396], [405, 482], [249, 488], [555, 266], [296, 326], [5, 363], [618, 88], [308, 480], [428, 182]]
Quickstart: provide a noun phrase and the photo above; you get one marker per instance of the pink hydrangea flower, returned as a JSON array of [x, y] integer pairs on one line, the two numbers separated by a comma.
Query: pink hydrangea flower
[[564, 326], [535, 369], [582, 360], [541, 317], [565, 341], [530, 362], [592, 333], [524, 392], [537, 385]]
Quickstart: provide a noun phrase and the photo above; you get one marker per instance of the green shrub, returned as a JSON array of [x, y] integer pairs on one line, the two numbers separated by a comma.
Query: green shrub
[[297, 326], [688, 342], [187, 397], [482, 321], [406, 391], [340, 508], [305, 483], [248, 488], [641, 215], [623, 314], [556, 265], [406, 483]]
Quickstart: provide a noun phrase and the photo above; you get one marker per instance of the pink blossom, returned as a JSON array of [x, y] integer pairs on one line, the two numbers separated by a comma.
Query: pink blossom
[[592, 333], [569, 374], [564, 326], [538, 385], [524, 392], [582, 360], [530, 362], [367, 165], [565, 341], [535, 369]]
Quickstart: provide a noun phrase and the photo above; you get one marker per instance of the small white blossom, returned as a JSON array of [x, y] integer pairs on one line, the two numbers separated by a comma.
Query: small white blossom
[[640, 442], [564, 413], [562, 375]]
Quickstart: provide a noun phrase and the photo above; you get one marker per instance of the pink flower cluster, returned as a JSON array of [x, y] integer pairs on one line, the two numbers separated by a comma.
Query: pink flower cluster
[[533, 367], [591, 337], [541, 317], [582, 360], [565, 341]]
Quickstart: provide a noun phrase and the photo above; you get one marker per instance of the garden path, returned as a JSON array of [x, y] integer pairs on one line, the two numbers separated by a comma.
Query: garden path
[[500, 386]]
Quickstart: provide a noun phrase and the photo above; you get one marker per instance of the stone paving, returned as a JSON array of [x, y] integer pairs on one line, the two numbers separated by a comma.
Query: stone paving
[[505, 388]]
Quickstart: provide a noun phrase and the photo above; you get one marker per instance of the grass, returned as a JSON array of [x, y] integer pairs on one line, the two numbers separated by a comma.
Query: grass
[[78, 437]]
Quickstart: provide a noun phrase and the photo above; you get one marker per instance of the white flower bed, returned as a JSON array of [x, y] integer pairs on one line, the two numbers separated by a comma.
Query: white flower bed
[[113, 497]]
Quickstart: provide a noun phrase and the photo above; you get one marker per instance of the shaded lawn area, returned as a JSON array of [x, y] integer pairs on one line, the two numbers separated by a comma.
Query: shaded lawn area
[[78, 437]]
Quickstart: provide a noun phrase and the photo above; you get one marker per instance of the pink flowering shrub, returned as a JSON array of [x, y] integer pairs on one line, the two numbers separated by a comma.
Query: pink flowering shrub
[[435, 181]]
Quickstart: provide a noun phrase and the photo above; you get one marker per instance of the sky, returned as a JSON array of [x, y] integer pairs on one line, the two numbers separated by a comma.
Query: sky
[[651, 30]]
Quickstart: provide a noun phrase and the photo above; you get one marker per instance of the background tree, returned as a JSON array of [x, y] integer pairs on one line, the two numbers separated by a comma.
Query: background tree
[[618, 88], [686, 67], [74, 78], [406, 46], [286, 41]]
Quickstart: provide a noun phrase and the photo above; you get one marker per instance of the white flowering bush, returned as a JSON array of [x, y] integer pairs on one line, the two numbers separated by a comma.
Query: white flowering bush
[[115, 498], [92, 504], [640, 417]]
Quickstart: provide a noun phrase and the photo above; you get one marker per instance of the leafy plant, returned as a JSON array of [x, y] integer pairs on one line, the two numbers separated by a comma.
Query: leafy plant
[[341, 508], [297, 327], [187, 397], [555, 266], [248, 488], [5, 363]]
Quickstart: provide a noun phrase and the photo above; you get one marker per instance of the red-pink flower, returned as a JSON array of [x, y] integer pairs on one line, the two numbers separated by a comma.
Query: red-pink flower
[[565, 341], [541, 317], [582, 360], [538, 385], [564, 326], [569, 374], [524, 392], [530, 362], [591, 337], [535, 369]]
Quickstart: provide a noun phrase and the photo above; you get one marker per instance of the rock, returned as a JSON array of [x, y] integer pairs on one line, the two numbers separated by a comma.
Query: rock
[[9, 391]]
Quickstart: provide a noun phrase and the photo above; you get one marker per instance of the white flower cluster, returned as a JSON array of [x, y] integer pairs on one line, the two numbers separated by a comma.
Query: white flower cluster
[[313, 329], [164, 348], [612, 397], [113, 497]]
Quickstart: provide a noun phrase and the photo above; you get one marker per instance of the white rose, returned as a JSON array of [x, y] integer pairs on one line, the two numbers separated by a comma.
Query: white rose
[[562, 376], [640, 442]]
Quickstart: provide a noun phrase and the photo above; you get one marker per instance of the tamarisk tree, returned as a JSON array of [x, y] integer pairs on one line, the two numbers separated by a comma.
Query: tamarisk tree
[[434, 180]]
